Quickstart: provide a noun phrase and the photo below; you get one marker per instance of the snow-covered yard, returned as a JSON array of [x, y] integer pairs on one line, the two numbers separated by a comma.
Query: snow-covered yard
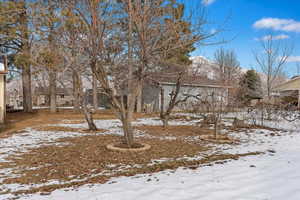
[[265, 177], [269, 176]]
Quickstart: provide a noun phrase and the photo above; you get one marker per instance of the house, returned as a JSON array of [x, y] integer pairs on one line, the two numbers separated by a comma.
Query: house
[[289, 89], [3, 73], [64, 96], [191, 85], [14, 95], [102, 99]]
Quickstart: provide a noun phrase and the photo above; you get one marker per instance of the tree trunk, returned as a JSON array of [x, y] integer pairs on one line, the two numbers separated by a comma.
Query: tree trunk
[[128, 130], [127, 114], [26, 84], [25, 50], [126, 121], [162, 101], [164, 116], [216, 128], [139, 98], [76, 91], [89, 118], [87, 112], [52, 88], [95, 93], [165, 121]]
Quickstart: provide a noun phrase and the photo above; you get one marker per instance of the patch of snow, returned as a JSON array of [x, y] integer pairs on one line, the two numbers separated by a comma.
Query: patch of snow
[[263, 177], [22, 142], [228, 181]]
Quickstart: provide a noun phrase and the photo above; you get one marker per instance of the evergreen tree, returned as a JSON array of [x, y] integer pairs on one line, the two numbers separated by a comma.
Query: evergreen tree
[[182, 30], [250, 86], [16, 37]]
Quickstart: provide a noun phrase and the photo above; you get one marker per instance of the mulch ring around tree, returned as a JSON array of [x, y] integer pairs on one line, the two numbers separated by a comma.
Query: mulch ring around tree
[[123, 147]]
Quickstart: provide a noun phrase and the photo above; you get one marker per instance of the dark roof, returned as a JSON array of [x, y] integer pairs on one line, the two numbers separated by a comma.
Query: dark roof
[[191, 80], [297, 76]]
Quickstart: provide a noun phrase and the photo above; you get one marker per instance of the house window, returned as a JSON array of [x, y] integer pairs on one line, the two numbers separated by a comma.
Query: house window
[[62, 96]]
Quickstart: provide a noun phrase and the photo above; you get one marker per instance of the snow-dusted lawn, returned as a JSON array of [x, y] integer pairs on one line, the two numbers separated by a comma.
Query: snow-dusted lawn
[[265, 177], [271, 176]]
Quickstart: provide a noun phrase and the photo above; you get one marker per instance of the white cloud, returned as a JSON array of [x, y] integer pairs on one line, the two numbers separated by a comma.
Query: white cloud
[[293, 59], [208, 2], [213, 31], [274, 37], [287, 25]]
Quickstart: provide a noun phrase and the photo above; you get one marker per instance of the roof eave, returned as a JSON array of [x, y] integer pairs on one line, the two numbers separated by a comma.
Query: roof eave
[[197, 85]]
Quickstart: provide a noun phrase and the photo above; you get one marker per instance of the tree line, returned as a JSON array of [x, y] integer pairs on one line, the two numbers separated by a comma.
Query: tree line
[[118, 43]]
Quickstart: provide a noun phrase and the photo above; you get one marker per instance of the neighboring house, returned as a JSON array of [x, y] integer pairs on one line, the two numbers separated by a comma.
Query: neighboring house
[[40, 93], [290, 88], [3, 73], [102, 99], [14, 96], [64, 96], [201, 86]]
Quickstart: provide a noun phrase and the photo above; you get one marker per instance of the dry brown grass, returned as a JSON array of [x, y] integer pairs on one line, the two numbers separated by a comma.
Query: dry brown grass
[[86, 156], [175, 130], [67, 129], [18, 121]]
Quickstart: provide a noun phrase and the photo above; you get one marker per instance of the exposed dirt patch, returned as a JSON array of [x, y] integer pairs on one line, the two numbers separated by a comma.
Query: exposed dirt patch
[[131, 171], [250, 126], [73, 122], [220, 139], [88, 155], [175, 130], [86, 159], [184, 118], [67, 129], [18, 121]]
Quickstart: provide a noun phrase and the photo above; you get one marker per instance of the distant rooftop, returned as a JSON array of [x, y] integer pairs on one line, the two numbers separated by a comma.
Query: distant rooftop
[[297, 76], [169, 78]]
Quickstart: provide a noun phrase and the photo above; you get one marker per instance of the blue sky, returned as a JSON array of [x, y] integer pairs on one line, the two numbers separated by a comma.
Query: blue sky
[[248, 20]]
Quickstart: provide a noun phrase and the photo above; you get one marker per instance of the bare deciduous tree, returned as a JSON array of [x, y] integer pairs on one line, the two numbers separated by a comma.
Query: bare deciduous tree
[[174, 100], [126, 40], [211, 105], [272, 59], [228, 66]]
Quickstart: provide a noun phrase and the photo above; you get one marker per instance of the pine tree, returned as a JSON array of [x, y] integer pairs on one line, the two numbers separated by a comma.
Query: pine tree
[[16, 37], [250, 86], [182, 30]]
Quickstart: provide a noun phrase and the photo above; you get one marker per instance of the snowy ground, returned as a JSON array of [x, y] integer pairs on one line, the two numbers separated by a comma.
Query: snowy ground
[[274, 175], [266, 177]]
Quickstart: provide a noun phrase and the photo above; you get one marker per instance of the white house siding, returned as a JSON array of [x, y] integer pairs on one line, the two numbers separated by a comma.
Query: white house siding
[[64, 100], [204, 91]]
